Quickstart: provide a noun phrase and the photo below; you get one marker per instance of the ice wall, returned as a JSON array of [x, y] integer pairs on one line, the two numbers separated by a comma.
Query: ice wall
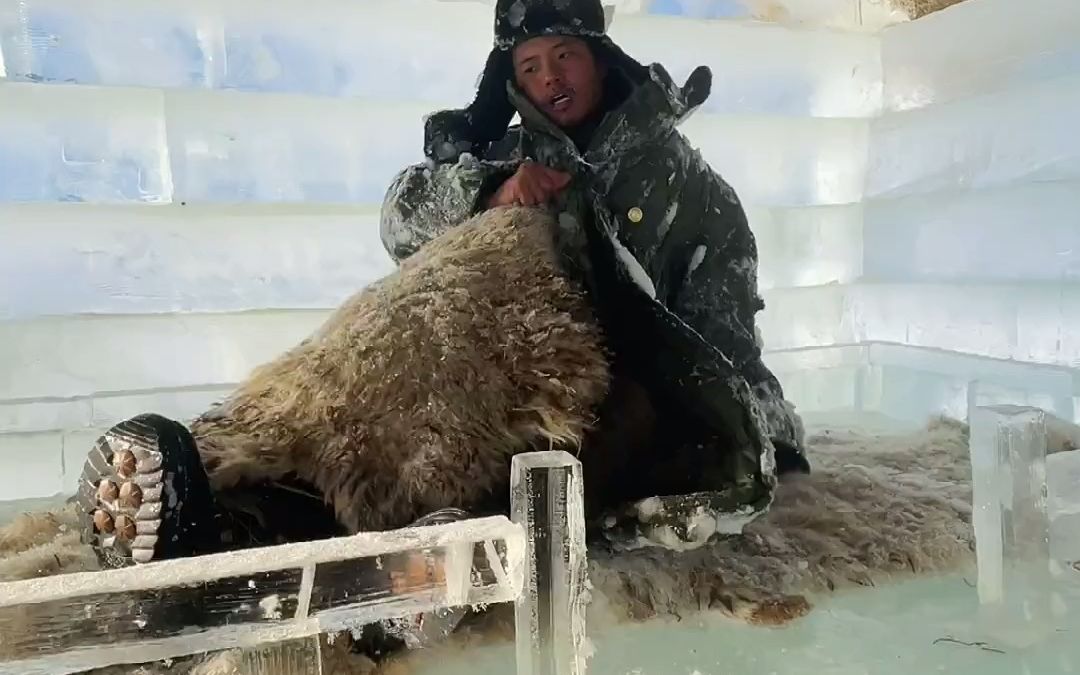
[[187, 187]]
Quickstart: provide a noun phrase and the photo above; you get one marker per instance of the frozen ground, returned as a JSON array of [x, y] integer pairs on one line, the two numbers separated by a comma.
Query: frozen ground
[[894, 630]]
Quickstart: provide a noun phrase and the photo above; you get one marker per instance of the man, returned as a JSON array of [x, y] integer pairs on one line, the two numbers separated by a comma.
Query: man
[[659, 239]]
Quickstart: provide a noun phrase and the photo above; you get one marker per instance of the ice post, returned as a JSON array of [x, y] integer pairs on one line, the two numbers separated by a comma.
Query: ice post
[[1012, 525], [548, 500]]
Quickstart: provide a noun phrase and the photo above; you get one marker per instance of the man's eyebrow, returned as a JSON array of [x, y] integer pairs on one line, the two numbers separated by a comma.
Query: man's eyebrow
[[527, 59]]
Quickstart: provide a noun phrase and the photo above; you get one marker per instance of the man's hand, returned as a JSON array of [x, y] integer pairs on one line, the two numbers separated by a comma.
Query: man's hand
[[533, 184]]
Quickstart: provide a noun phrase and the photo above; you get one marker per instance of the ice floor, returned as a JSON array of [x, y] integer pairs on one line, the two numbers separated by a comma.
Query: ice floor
[[893, 630]]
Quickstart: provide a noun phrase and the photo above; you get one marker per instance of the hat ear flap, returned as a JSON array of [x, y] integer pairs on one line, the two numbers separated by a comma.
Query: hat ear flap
[[449, 133], [491, 110]]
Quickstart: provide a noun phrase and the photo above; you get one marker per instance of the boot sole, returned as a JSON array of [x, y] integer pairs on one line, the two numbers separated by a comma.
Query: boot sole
[[130, 509]]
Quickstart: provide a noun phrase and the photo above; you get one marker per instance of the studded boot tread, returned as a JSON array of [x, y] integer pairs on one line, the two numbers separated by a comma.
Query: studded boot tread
[[144, 495]]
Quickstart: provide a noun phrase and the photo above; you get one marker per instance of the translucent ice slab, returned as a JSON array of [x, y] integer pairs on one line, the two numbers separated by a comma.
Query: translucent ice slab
[[90, 259], [910, 384], [793, 72], [1012, 523], [43, 443], [1024, 134], [75, 622], [232, 147], [294, 48], [31, 465], [63, 144], [1063, 492], [109, 144], [808, 246], [80, 356], [1023, 233], [548, 502], [772, 161], [1028, 322], [1012, 47]]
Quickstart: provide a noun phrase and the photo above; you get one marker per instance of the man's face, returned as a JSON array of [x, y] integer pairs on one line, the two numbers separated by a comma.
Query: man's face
[[560, 77]]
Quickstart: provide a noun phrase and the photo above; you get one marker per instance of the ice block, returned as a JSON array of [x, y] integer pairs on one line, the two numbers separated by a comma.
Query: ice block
[[65, 357], [1021, 135], [1015, 45], [287, 48], [31, 465], [1012, 527], [1063, 469], [70, 144], [60, 259], [1035, 322], [548, 501], [808, 246], [775, 161], [242, 147], [253, 598], [973, 235], [793, 73]]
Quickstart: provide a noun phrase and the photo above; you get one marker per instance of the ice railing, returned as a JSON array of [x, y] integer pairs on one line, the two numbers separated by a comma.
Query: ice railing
[[1026, 513], [277, 601]]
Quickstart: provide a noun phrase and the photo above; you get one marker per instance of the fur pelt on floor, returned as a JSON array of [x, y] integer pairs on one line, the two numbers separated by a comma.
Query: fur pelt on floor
[[876, 508]]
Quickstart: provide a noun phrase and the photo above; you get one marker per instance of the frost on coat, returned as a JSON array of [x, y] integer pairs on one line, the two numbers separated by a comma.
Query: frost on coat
[[655, 220]]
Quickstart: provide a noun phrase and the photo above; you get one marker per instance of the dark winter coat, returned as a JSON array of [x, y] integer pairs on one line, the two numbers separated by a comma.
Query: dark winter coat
[[658, 237]]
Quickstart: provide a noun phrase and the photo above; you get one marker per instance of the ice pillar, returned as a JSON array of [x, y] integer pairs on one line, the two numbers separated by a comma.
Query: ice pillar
[[1012, 526], [547, 499]]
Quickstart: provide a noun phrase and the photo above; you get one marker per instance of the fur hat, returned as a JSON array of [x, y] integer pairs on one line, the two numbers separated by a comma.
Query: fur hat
[[449, 133]]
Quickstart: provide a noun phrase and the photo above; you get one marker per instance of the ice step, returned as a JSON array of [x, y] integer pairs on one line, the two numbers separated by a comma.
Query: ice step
[[808, 246], [92, 412], [412, 50], [82, 144], [1024, 134], [912, 383], [80, 356], [43, 443], [98, 259], [242, 147], [1034, 322], [102, 259], [77, 622], [1021, 233], [1016, 44]]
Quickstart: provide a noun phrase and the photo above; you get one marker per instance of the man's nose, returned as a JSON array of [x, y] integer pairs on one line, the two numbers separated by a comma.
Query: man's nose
[[552, 75]]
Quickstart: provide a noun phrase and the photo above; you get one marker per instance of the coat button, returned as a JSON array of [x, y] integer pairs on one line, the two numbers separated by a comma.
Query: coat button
[[635, 215]]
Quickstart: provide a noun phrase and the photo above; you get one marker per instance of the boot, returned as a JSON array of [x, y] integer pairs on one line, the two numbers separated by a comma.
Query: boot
[[144, 495]]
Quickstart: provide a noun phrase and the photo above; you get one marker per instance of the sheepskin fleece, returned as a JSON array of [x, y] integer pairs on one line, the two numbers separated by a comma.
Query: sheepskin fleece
[[877, 508]]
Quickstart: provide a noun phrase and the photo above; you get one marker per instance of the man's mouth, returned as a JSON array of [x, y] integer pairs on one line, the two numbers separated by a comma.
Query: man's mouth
[[561, 101]]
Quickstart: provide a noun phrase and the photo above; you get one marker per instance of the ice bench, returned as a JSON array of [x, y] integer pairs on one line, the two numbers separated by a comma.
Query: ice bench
[[280, 599]]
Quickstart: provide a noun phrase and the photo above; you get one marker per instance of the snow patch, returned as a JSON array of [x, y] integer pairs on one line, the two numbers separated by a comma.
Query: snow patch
[[271, 606], [637, 272], [695, 260]]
